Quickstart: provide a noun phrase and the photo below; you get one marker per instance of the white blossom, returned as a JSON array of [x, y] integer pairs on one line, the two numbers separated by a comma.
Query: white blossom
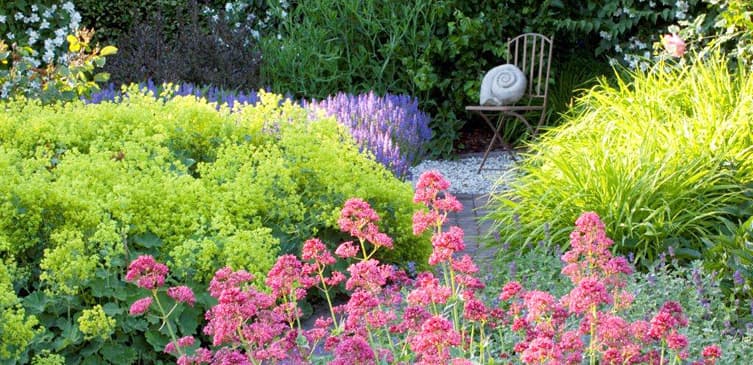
[[18, 16], [44, 25], [69, 7], [2, 18]]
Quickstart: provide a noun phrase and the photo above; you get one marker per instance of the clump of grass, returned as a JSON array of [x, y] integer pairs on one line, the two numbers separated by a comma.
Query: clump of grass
[[663, 157]]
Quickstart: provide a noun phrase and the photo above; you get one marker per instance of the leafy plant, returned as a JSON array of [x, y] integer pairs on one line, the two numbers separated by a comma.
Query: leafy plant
[[88, 187], [73, 79], [664, 158]]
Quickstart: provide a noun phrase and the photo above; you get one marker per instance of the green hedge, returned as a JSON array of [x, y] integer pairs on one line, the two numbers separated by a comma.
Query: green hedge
[[87, 188]]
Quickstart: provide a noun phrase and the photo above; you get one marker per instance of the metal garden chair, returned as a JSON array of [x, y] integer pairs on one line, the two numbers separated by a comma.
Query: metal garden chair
[[532, 54]]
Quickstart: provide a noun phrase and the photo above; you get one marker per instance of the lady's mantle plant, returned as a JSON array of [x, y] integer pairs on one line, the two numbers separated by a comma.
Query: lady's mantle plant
[[434, 318]]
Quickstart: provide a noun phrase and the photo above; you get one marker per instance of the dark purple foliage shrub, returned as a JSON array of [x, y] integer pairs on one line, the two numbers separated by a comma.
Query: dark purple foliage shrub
[[391, 127]]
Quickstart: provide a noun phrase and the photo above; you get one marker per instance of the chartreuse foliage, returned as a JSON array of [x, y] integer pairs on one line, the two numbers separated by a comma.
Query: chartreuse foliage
[[665, 159], [87, 188]]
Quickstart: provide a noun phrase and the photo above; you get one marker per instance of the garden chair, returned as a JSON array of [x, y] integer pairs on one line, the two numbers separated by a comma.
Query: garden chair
[[532, 54]]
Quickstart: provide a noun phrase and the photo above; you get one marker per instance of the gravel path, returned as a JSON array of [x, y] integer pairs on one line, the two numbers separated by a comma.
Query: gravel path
[[464, 176]]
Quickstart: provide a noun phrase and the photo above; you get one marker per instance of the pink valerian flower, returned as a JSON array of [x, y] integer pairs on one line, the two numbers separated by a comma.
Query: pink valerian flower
[[354, 350], [432, 344], [226, 278], [670, 317], [465, 265], [571, 342], [227, 356], [475, 310], [541, 350], [612, 331], [587, 294], [368, 275], [320, 331], [424, 220], [510, 290], [315, 250], [448, 203], [539, 304], [200, 356], [360, 303], [359, 219], [674, 45], [347, 249], [676, 341], [446, 244], [429, 184], [146, 272], [182, 294], [428, 291], [182, 342], [140, 306], [711, 354], [286, 280]]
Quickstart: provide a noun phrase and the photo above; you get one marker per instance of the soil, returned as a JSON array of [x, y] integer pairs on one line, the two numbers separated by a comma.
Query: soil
[[474, 138]]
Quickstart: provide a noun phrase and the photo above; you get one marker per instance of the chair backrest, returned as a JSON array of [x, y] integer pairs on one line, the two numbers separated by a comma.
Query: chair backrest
[[532, 54]]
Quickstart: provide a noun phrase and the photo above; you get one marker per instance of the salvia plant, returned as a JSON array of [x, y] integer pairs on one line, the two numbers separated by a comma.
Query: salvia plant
[[437, 317], [391, 127]]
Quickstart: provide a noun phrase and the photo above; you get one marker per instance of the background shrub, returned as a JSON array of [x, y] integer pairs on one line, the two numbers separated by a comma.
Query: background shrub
[[90, 187], [665, 159]]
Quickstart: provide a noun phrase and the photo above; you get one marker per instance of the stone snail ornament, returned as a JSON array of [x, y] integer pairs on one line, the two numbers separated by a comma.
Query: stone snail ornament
[[502, 85]]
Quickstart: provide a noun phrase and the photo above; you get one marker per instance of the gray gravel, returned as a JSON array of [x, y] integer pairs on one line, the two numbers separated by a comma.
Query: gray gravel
[[464, 176]]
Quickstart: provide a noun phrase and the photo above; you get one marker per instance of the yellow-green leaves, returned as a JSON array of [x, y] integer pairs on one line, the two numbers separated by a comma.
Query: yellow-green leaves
[[108, 51]]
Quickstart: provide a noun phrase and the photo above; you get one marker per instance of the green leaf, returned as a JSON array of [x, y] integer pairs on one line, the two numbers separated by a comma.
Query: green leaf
[[157, 340], [102, 77], [118, 354], [147, 240], [108, 50], [35, 302]]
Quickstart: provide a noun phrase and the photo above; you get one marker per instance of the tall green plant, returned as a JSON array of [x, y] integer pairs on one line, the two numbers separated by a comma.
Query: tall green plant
[[663, 157]]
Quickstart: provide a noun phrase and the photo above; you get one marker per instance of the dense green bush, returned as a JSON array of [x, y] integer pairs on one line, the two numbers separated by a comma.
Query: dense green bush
[[665, 158], [87, 188]]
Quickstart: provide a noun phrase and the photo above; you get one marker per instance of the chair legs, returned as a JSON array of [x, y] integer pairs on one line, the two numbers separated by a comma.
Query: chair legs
[[497, 136]]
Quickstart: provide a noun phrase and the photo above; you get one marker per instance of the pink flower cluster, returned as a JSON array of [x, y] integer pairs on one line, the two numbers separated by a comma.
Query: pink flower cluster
[[391, 318]]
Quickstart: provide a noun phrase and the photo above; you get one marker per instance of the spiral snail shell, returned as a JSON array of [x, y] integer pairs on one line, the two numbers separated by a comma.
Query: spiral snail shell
[[502, 85]]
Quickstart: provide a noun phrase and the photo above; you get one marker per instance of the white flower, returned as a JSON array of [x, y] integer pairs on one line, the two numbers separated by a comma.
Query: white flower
[[605, 35], [617, 48], [47, 13], [44, 24], [18, 16], [34, 8], [69, 7], [2, 18], [60, 33], [10, 36], [255, 33], [48, 56]]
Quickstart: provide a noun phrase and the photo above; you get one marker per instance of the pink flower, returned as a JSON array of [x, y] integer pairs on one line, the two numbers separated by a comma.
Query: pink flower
[[368, 275], [676, 341], [226, 278], [539, 304], [285, 277], [423, 220], [446, 244], [428, 291], [227, 356], [200, 356], [475, 310], [587, 294], [465, 265], [711, 354], [429, 184], [432, 344], [449, 203], [182, 342], [315, 250], [182, 294], [674, 45], [510, 290], [140, 306], [347, 250], [146, 272], [542, 350], [353, 351]]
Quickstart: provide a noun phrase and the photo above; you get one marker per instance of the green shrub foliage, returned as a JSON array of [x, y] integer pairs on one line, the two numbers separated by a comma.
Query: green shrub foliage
[[665, 158], [87, 188]]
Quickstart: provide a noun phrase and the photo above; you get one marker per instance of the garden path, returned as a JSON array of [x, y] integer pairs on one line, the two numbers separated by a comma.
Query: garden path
[[474, 207]]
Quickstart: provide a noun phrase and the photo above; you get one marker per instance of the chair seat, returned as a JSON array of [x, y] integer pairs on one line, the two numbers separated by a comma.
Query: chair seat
[[502, 108]]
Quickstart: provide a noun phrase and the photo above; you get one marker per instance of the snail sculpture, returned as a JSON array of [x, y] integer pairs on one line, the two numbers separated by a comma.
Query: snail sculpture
[[503, 85]]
